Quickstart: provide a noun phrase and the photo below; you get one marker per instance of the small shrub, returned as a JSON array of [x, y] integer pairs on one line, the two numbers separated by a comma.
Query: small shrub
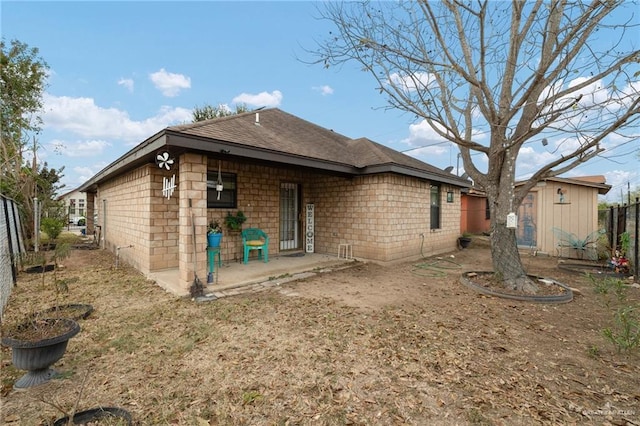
[[593, 351], [626, 332], [250, 397], [606, 285], [52, 227]]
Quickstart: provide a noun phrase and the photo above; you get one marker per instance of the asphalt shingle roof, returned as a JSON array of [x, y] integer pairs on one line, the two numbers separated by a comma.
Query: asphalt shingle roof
[[275, 130], [275, 135]]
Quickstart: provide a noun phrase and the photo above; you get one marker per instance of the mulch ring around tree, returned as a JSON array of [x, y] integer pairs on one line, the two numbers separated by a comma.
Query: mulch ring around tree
[[550, 291]]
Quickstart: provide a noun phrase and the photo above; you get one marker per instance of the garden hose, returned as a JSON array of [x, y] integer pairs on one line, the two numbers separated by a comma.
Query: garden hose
[[435, 268]]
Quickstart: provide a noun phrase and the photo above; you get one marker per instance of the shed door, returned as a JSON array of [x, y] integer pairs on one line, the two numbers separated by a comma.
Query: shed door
[[289, 210], [526, 232]]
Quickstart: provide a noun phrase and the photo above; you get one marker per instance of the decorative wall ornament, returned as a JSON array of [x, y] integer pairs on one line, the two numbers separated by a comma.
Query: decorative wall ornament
[[168, 186], [309, 231], [164, 160], [219, 184]]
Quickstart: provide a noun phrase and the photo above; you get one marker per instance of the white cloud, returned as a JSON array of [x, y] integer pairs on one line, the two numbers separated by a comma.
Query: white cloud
[[423, 135], [262, 99], [324, 90], [84, 173], [82, 117], [618, 180], [412, 82], [127, 83], [169, 83], [90, 148], [592, 94], [530, 160]]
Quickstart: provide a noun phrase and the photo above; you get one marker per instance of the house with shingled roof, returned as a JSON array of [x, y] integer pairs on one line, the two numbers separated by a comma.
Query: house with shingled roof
[[309, 188]]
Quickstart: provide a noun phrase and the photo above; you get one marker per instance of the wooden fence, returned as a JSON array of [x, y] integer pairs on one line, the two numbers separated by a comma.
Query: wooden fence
[[617, 220]]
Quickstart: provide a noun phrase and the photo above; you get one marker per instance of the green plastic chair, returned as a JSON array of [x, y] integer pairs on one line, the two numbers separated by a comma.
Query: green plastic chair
[[255, 239]]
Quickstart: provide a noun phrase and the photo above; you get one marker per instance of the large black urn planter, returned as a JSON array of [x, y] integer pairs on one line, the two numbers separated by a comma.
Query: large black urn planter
[[37, 355], [115, 414], [564, 297]]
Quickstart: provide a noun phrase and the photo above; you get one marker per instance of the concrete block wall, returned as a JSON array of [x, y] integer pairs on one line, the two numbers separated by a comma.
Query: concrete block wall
[[193, 186], [382, 217], [164, 222], [125, 216], [258, 191]]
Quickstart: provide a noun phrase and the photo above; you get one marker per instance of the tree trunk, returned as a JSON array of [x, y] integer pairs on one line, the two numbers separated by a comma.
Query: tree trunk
[[507, 264]]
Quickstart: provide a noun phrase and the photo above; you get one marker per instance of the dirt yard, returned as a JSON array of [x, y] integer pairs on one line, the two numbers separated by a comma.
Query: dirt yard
[[401, 344]]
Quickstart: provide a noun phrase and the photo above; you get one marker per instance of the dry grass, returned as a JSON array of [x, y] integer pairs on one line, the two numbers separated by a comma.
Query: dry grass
[[429, 351]]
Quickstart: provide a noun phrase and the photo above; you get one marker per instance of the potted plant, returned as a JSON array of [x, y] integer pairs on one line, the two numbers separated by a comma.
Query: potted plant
[[37, 344], [214, 234], [464, 240], [234, 221]]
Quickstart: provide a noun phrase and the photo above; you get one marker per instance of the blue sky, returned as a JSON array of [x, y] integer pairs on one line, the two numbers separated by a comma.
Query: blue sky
[[121, 71]]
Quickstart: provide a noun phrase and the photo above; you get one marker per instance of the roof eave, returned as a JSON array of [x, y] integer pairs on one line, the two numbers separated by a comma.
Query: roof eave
[[409, 171], [138, 155], [602, 188]]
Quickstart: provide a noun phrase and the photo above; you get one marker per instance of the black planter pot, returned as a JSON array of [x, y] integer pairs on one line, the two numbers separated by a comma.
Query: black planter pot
[[94, 414], [74, 311], [464, 241], [37, 356], [40, 269]]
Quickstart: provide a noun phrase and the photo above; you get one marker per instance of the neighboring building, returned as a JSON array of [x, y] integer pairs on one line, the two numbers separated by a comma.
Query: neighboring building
[[75, 205], [556, 211], [307, 187], [474, 212]]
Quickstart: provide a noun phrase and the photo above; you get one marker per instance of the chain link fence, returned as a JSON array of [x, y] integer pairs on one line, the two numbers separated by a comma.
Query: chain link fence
[[11, 246]]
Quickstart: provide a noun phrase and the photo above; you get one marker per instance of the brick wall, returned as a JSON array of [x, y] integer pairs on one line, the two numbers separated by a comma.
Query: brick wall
[[384, 217], [125, 216]]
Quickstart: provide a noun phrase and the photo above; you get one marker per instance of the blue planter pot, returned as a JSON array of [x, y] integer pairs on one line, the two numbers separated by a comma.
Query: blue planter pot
[[214, 240]]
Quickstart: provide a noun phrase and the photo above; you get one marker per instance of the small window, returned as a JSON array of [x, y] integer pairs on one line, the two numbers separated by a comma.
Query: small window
[[228, 198], [487, 210], [435, 207], [449, 196]]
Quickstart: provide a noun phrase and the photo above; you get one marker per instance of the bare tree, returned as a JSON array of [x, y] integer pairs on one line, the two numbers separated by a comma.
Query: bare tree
[[492, 76]]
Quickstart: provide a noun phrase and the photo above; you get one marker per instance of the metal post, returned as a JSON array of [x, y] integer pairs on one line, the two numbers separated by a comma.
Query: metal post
[[636, 258], [610, 233], [36, 224]]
